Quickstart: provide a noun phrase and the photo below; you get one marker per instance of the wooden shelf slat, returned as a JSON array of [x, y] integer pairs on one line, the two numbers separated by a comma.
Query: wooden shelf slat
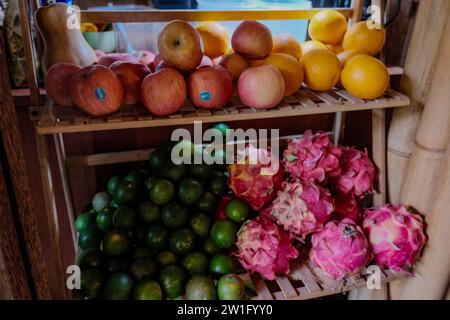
[[55, 119], [112, 16]]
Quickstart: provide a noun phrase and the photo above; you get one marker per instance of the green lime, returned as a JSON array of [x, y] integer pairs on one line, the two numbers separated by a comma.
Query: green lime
[[141, 251], [195, 263], [174, 215], [222, 127], [230, 287], [182, 241], [158, 158], [207, 203], [127, 193], [166, 257], [223, 233], [172, 278], [84, 221], [200, 288], [118, 287], [218, 183], [157, 237], [90, 237], [147, 289], [220, 158], [148, 212], [117, 265], [173, 172], [138, 234], [115, 243], [124, 218], [189, 191], [209, 247], [161, 192], [92, 281], [105, 219], [237, 210], [201, 170], [149, 182], [200, 223], [221, 264], [101, 200], [136, 176], [90, 258], [113, 182], [143, 268]]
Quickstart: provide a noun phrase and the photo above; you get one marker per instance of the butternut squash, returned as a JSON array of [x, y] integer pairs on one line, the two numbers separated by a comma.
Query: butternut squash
[[58, 25]]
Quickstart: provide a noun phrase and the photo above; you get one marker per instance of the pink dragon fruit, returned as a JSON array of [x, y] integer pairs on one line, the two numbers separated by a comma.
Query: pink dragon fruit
[[248, 182], [265, 248], [357, 173], [301, 207], [346, 207], [340, 249], [395, 235], [312, 157]]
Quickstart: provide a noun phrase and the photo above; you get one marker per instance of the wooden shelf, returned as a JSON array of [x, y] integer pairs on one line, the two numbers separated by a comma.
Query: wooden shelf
[[306, 282], [112, 16], [56, 119]]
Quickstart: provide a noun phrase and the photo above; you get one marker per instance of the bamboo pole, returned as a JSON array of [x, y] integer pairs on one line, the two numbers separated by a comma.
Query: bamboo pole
[[425, 164], [419, 66], [432, 271]]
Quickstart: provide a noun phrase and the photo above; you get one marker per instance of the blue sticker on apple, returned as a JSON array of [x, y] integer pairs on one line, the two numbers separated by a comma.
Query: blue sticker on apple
[[100, 93], [205, 95]]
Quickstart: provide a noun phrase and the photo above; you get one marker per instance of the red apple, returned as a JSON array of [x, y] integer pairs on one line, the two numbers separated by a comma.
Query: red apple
[[179, 45], [252, 40], [57, 83], [210, 87], [206, 62], [163, 92], [110, 58], [261, 87], [97, 90], [100, 53], [145, 57], [130, 75], [155, 63]]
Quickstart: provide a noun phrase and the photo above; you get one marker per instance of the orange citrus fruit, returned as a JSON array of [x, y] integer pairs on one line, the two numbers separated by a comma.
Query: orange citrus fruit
[[321, 68], [215, 38], [290, 69], [345, 56], [312, 44], [328, 26], [365, 77], [286, 43], [255, 62], [336, 49], [360, 36], [235, 65]]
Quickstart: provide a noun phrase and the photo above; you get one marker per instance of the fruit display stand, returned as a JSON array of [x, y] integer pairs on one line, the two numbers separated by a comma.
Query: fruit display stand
[[55, 121]]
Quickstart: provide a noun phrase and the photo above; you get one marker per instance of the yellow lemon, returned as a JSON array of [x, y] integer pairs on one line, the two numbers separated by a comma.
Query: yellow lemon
[[215, 38], [345, 56], [286, 43], [360, 36], [290, 69], [312, 44], [321, 68], [328, 26], [365, 77]]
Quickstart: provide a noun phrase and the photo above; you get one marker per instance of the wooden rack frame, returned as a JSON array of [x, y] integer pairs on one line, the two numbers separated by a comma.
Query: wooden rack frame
[[52, 120]]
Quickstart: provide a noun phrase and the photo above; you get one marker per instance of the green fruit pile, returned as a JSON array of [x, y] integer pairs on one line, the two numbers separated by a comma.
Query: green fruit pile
[[156, 234]]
